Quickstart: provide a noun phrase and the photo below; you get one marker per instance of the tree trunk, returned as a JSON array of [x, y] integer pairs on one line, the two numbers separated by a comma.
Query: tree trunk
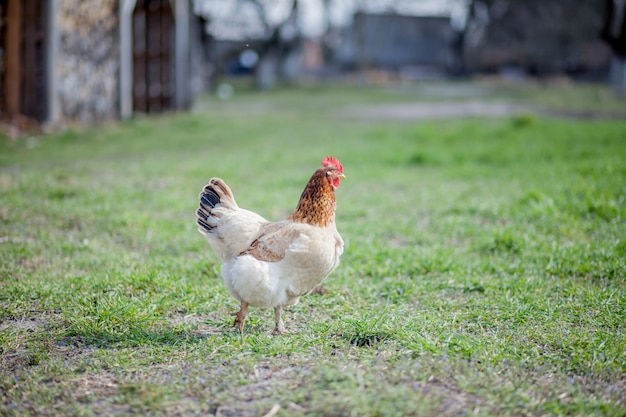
[[266, 74], [618, 75], [614, 34], [277, 53]]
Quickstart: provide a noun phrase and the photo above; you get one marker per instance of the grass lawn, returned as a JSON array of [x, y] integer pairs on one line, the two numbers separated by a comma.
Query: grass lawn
[[483, 273]]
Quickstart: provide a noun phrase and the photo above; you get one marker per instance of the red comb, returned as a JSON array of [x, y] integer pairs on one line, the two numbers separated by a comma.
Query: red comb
[[331, 161]]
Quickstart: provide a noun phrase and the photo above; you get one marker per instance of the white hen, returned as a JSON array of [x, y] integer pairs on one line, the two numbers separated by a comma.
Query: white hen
[[272, 264]]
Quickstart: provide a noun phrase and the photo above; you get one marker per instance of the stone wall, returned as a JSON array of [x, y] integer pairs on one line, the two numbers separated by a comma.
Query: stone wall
[[88, 60]]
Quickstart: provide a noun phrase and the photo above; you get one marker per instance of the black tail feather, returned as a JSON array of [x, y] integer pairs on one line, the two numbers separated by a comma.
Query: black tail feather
[[203, 224], [209, 197], [208, 200], [215, 193]]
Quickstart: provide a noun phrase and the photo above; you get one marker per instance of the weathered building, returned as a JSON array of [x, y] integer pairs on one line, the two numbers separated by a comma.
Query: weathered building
[[538, 37], [94, 60]]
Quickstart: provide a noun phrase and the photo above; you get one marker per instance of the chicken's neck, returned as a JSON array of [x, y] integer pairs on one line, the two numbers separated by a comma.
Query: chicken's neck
[[317, 202]]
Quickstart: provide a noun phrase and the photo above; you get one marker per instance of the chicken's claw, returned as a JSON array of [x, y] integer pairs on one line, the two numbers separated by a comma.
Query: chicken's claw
[[280, 325], [279, 331], [240, 316]]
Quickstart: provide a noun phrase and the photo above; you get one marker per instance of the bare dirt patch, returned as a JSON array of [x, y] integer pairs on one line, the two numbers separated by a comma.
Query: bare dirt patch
[[23, 323], [244, 400], [258, 397], [99, 385]]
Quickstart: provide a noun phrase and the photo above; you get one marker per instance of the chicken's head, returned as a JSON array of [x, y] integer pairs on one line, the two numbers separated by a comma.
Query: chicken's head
[[335, 174]]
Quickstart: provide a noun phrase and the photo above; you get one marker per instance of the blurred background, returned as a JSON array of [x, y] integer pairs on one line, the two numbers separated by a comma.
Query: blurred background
[[89, 61]]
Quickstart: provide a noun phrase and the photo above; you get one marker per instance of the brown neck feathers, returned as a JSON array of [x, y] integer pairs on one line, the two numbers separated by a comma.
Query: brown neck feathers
[[317, 202]]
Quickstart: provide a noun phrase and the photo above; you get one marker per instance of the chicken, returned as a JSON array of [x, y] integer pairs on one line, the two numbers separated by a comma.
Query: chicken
[[272, 264]]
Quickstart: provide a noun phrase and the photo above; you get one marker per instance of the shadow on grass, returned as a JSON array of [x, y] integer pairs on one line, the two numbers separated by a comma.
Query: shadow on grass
[[141, 336]]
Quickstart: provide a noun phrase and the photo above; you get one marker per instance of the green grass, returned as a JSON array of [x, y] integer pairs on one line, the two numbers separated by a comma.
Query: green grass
[[483, 274]]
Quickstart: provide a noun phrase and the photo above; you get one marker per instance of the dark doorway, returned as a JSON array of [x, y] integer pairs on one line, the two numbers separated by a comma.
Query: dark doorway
[[23, 31], [153, 49]]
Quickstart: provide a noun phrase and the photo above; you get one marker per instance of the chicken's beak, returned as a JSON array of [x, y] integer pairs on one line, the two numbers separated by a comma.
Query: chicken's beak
[[342, 175]]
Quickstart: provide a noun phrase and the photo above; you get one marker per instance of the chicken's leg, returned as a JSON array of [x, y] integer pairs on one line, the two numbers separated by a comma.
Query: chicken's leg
[[240, 316], [280, 326]]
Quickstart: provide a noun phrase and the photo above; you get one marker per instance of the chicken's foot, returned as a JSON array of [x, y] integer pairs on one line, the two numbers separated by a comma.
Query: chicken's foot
[[240, 316], [280, 326]]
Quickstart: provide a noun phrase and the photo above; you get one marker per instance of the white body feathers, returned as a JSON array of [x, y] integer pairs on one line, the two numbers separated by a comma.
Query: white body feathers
[[309, 258]]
